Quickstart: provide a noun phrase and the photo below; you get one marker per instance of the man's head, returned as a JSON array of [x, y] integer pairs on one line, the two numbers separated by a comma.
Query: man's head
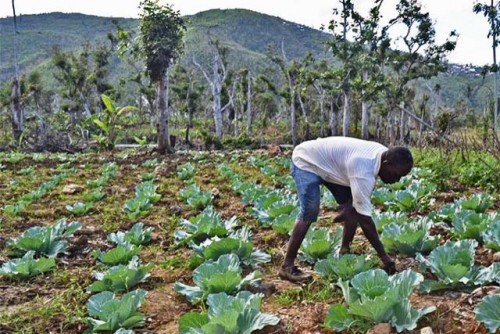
[[396, 163]]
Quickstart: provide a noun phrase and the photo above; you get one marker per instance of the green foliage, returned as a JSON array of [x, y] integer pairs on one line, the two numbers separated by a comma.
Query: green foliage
[[382, 219], [195, 197], [377, 298], [409, 238], [120, 278], [79, 208], [319, 243], [107, 120], [186, 171], [488, 312], [121, 254], [207, 224], [137, 208], [453, 265], [491, 236], [27, 266], [107, 313], [470, 225], [344, 267], [45, 240], [237, 243], [94, 196], [223, 275], [161, 32], [227, 314], [478, 202], [137, 235]]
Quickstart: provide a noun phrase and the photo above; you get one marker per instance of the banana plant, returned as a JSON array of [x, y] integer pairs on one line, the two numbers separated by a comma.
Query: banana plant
[[107, 120]]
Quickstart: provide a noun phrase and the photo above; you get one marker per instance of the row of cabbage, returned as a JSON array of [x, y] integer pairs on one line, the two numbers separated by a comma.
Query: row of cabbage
[[122, 271], [24, 201], [452, 263], [95, 190], [222, 250]]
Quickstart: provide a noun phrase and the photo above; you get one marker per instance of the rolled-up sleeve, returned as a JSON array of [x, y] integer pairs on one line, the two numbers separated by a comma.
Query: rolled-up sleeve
[[361, 189]]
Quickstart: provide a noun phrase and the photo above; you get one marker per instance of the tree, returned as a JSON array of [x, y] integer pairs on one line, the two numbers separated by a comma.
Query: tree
[[219, 74], [492, 12], [15, 96], [346, 52], [162, 30], [421, 57], [188, 92]]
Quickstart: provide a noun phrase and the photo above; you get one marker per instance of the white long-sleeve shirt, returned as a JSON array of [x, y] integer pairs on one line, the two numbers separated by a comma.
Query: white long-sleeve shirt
[[345, 161]]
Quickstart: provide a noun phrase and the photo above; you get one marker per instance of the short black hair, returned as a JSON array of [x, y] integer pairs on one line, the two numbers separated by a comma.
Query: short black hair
[[399, 155]]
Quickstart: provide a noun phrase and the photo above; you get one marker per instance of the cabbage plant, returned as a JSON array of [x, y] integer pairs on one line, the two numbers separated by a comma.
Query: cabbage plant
[[94, 196], [488, 312], [491, 236], [47, 240], [186, 172], [79, 208], [27, 266], [453, 265], [137, 235], [108, 313], [344, 267], [384, 218], [468, 224], [318, 243], [228, 314], [212, 249], [478, 202], [137, 207], [208, 223], [373, 297], [409, 238], [147, 189], [121, 254], [223, 275], [195, 197], [121, 278]]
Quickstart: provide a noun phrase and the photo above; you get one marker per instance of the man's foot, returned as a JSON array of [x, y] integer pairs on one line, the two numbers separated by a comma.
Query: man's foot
[[293, 274], [344, 250], [390, 267]]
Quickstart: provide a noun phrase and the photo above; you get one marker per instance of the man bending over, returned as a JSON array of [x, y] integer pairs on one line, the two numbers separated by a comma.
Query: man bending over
[[348, 167]]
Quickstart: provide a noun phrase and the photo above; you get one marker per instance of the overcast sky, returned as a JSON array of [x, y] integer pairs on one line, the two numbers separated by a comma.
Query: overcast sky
[[473, 45]]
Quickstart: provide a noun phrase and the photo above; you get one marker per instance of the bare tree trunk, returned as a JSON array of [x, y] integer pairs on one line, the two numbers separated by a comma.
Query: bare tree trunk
[[306, 119], [365, 116], [216, 88], [249, 104], [402, 123], [293, 120], [378, 128], [333, 119], [347, 113], [15, 96], [390, 127], [162, 112], [321, 93], [17, 112]]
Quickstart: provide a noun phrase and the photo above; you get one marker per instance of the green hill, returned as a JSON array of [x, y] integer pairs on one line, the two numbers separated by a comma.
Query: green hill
[[248, 34]]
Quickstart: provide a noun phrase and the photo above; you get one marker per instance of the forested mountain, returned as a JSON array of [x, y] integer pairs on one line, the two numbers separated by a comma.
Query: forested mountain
[[247, 34]]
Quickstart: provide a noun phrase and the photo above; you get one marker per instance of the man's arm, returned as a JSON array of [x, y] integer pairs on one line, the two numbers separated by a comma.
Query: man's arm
[[351, 218]]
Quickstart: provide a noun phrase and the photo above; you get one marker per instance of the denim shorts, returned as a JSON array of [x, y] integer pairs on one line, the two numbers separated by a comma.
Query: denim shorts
[[308, 190]]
